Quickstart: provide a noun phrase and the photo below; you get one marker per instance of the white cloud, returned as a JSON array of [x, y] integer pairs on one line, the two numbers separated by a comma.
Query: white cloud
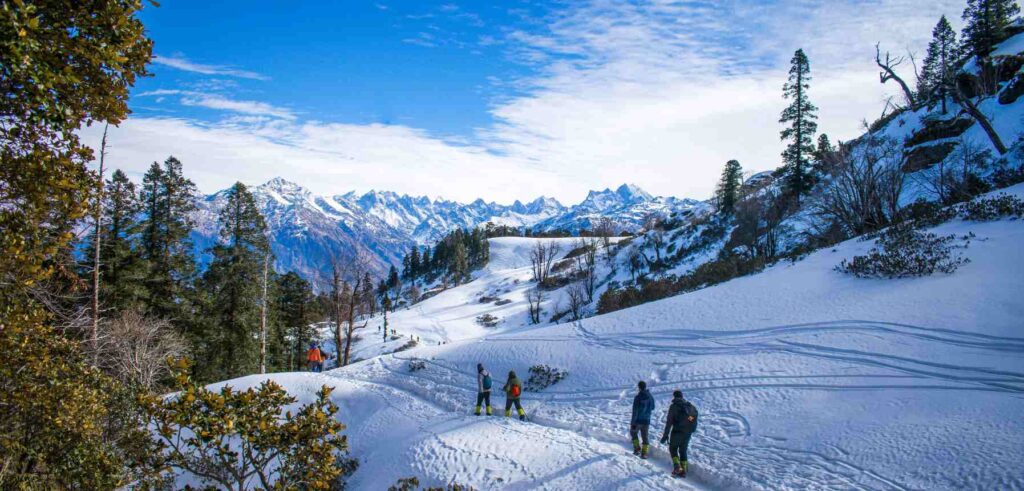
[[654, 92], [181, 63], [215, 101]]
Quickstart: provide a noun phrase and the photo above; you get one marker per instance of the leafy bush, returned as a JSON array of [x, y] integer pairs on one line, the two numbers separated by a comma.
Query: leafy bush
[[487, 320], [416, 365], [410, 344], [904, 252], [542, 377], [240, 439], [413, 483], [994, 208]]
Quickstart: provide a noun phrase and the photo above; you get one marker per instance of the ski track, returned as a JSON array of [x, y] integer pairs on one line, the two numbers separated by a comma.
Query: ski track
[[725, 443]]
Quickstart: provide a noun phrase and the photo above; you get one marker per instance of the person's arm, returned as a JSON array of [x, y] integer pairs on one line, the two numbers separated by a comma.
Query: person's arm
[[668, 424], [479, 382]]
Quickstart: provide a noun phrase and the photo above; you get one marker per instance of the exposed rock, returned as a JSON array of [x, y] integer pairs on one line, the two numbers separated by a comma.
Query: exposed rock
[[1013, 90], [938, 129], [923, 157]]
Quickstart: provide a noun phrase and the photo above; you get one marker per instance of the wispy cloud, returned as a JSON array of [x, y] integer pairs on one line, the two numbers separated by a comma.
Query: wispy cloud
[[216, 101], [181, 63]]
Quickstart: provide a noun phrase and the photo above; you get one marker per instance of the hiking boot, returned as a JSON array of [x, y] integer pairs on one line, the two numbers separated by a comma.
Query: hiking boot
[[636, 451], [644, 451]]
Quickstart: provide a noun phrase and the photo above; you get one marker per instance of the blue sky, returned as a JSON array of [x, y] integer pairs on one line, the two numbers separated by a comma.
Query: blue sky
[[500, 99]]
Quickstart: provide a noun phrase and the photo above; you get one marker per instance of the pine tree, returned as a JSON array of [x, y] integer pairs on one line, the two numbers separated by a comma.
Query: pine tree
[[939, 68], [121, 264], [800, 117], [822, 153], [986, 23], [458, 268], [728, 192], [293, 303], [414, 262], [168, 198], [234, 282]]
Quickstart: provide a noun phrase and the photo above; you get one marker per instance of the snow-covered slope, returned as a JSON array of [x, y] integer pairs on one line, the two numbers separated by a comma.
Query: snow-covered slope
[[806, 378]]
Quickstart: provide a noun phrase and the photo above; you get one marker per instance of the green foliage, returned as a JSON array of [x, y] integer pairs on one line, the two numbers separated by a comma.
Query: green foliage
[[241, 439], [122, 268], [413, 484], [453, 257], [904, 252], [62, 64], [234, 283], [800, 118], [295, 307], [986, 23], [728, 191], [168, 199], [938, 72]]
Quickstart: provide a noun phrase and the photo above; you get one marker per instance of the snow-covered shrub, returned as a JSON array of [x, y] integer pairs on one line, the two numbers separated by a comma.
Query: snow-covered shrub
[[416, 365], [542, 377], [503, 301], [410, 344], [994, 208], [487, 320], [903, 252], [413, 484]]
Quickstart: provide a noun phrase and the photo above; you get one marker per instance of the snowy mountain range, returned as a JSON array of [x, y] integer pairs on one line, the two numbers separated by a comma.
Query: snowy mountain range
[[308, 230]]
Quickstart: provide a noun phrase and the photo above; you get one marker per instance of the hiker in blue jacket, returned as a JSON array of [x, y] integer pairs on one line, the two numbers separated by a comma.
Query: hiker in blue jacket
[[640, 423], [483, 388]]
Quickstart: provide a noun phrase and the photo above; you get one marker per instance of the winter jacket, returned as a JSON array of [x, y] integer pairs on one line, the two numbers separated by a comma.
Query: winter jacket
[[313, 354], [681, 419], [512, 382], [480, 381], [643, 406]]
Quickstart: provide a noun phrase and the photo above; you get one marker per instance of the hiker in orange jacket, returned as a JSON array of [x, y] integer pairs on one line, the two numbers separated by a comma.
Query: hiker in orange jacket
[[313, 358]]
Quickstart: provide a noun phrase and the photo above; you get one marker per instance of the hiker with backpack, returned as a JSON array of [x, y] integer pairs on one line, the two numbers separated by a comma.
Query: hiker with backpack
[[680, 424], [313, 358], [513, 389], [640, 422], [483, 388]]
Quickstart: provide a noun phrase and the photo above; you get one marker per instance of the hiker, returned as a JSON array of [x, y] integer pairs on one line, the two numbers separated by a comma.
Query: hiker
[[313, 358], [483, 388], [640, 422], [324, 356], [679, 426], [513, 389]]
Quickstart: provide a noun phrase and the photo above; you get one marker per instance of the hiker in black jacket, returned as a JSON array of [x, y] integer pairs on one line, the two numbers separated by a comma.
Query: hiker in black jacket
[[679, 426]]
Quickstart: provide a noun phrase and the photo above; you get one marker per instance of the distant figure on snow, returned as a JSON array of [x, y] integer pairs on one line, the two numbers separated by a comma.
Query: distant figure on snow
[[483, 388], [640, 422], [313, 358], [680, 424], [513, 389]]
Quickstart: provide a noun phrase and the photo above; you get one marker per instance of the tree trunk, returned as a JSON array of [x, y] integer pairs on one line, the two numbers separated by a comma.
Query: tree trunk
[[263, 316], [980, 117], [98, 217]]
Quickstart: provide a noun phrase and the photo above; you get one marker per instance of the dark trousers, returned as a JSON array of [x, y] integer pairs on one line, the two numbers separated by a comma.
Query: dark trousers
[[483, 396], [641, 430], [677, 445], [510, 401]]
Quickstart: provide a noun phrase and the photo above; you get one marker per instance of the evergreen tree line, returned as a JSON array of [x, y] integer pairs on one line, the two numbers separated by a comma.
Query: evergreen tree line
[[147, 265], [452, 258]]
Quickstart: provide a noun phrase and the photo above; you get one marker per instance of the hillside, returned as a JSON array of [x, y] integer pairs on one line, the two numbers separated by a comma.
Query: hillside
[[805, 378], [307, 230]]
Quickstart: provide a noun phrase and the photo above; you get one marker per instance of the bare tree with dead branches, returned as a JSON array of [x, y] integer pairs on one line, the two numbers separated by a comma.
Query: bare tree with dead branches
[[889, 73]]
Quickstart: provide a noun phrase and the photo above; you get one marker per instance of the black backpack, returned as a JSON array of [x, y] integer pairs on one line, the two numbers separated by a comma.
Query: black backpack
[[683, 418]]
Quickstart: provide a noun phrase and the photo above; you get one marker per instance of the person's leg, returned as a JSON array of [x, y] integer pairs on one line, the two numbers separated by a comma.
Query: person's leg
[[487, 400], [673, 451], [519, 409], [682, 451], [479, 401], [644, 433], [633, 434], [508, 407]]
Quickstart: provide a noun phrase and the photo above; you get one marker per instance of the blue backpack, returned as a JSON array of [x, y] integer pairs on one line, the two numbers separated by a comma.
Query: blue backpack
[[487, 382]]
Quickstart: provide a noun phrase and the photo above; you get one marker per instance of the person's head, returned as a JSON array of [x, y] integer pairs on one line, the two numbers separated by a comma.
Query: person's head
[[677, 394], [312, 345], [642, 385], [479, 367], [511, 374]]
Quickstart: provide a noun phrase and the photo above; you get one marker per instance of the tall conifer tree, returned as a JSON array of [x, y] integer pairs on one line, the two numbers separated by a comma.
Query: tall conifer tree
[[939, 67], [800, 118]]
